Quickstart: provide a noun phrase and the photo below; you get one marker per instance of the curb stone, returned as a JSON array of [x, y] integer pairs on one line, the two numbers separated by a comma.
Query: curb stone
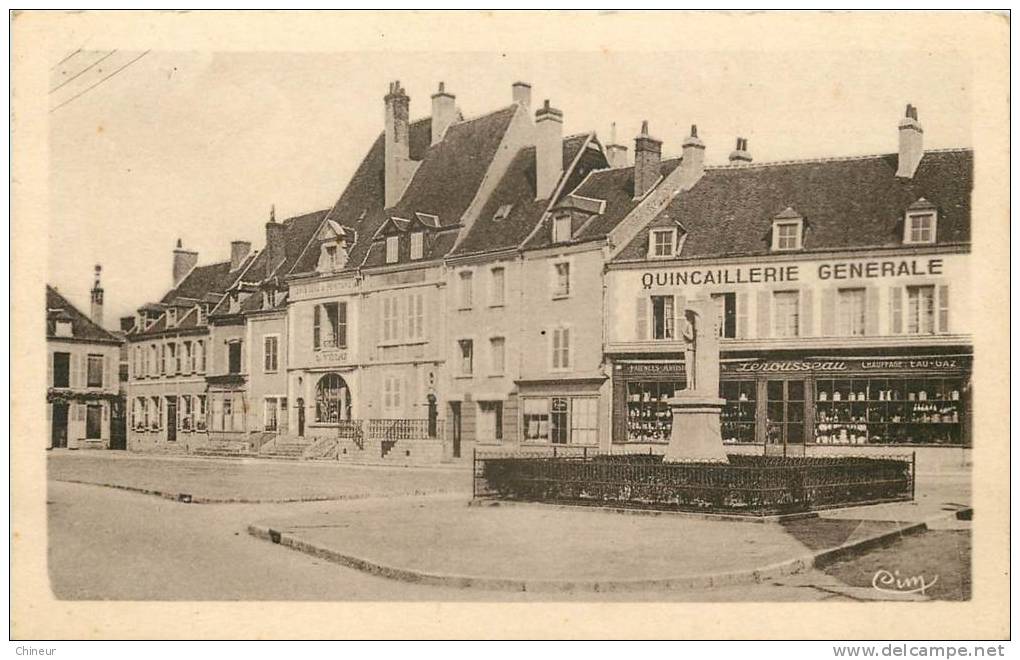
[[733, 578]]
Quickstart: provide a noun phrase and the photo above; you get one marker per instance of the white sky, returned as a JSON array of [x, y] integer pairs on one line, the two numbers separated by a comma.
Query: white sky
[[198, 146]]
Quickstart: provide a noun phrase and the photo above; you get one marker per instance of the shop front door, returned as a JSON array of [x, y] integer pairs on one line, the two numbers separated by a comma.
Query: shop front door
[[785, 406], [59, 438]]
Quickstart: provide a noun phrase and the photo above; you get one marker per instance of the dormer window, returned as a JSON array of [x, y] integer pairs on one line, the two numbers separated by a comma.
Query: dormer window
[[200, 314], [63, 328], [561, 228], [662, 243], [417, 245], [392, 249], [920, 225], [787, 231], [171, 317]]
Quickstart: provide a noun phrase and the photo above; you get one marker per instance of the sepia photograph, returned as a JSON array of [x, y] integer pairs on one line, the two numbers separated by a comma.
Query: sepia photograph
[[459, 311]]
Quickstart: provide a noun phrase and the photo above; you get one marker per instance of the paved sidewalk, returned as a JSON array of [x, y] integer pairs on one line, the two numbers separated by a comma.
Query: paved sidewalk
[[550, 548]]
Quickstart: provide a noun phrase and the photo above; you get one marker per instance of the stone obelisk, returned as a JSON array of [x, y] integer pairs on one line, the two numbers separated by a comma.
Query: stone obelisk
[[696, 437]]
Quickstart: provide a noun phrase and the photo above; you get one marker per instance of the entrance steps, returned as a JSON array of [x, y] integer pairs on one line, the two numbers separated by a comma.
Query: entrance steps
[[224, 449]]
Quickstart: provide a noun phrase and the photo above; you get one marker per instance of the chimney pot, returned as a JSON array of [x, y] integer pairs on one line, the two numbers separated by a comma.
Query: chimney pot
[[740, 154]]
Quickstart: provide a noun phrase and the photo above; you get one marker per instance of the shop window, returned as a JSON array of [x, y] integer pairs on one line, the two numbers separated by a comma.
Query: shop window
[[584, 421], [467, 356], [851, 312], [785, 406], [392, 249], [561, 279], [786, 313], [889, 411], [498, 287], [61, 369], [329, 326], [662, 317], [739, 415], [561, 420], [466, 289], [560, 349], [649, 417], [558, 420], [536, 420], [332, 400]]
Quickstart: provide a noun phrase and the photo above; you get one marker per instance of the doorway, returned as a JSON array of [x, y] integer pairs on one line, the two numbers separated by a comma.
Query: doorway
[[785, 406], [59, 433], [171, 419], [93, 422], [301, 418], [455, 421]]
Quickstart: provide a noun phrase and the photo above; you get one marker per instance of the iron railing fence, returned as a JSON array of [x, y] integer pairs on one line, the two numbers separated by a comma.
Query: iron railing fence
[[402, 429], [748, 485]]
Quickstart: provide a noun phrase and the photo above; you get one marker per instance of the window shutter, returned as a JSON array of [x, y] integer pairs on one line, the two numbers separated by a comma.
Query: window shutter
[[107, 376], [566, 348], [642, 318], [742, 302], [764, 316], [896, 310], [83, 365], [556, 348], [828, 312], [944, 308], [317, 327], [871, 311], [806, 312], [679, 306], [49, 369]]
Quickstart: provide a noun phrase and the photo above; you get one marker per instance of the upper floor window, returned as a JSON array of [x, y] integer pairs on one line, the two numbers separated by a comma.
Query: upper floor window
[[417, 245], [466, 289], [662, 244], [392, 249], [189, 357], [61, 370], [561, 228], [497, 348], [561, 279], [390, 319], [851, 312], [200, 355], [329, 326], [270, 353], [786, 235], [726, 314], [415, 316], [786, 314], [498, 292], [234, 357], [920, 310], [920, 228], [560, 348], [467, 356], [662, 317]]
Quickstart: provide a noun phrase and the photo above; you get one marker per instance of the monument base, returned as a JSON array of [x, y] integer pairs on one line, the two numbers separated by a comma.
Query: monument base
[[696, 437]]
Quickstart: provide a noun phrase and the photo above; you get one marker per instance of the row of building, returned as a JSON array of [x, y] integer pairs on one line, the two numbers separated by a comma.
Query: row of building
[[491, 281]]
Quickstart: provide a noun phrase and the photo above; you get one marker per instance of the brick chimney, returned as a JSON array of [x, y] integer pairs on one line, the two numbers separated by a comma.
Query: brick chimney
[[692, 166], [274, 243], [647, 158], [184, 261], [522, 95], [616, 154], [911, 144], [96, 311], [398, 150], [740, 154], [444, 112], [548, 150], [238, 251]]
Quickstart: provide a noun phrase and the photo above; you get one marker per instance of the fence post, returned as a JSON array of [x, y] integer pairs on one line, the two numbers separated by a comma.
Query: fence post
[[913, 475], [474, 470]]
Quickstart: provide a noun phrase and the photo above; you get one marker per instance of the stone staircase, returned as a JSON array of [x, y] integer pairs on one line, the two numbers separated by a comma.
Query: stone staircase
[[285, 449], [225, 449]]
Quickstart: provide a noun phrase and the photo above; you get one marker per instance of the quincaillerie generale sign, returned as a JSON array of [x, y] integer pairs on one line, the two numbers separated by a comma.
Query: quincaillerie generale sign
[[823, 270]]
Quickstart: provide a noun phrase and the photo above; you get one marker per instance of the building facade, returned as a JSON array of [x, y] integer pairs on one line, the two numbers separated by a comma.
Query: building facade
[[82, 374]]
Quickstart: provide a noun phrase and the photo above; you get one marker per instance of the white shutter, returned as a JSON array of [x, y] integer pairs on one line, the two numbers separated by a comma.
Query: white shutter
[[943, 302], [49, 369], [642, 318], [807, 313], [895, 310], [742, 305], [107, 376]]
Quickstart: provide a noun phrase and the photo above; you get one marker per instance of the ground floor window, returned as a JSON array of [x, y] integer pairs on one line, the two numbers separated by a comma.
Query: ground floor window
[[155, 413], [187, 413], [649, 417], [332, 400], [561, 420], [274, 414], [94, 421], [200, 413], [856, 411]]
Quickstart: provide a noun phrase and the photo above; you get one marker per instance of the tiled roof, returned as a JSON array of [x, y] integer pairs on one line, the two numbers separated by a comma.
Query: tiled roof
[[845, 203], [517, 190], [82, 327], [361, 204]]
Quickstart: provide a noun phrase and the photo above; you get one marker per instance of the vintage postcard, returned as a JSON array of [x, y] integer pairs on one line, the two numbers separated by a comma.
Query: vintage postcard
[[510, 324]]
